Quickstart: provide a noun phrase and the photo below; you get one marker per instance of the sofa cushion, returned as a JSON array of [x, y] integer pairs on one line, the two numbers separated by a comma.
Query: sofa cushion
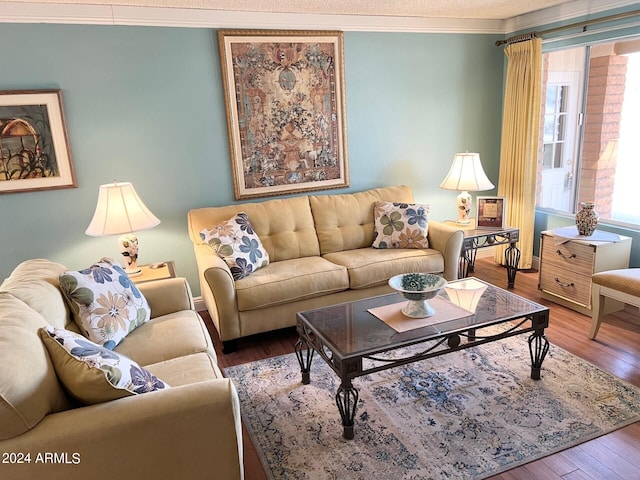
[[29, 388], [185, 370], [169, 336], [400, 225], [235, 241], [345, 222], [285, 226], [289, 281], [35, 282], [92, 373], [368, 267], [105, 303]]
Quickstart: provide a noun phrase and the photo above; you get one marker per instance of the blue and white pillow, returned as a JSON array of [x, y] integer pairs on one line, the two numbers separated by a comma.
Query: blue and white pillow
[[106, 304], [92, 373], [238, 245], [400, 225]]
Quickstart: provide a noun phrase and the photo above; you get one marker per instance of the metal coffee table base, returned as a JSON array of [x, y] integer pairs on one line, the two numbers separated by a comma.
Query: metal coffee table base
[[347, 369]]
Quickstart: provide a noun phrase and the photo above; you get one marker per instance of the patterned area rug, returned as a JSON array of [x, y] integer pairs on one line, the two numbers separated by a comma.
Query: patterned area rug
[[466, 415]]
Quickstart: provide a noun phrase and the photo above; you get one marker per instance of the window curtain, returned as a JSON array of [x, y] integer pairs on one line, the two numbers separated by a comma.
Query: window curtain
[[519, 149]]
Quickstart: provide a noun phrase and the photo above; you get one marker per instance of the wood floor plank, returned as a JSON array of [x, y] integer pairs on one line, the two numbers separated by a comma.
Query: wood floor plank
[[539, 469], [589, 464], [612, 460], [559, 465], [615, 350]]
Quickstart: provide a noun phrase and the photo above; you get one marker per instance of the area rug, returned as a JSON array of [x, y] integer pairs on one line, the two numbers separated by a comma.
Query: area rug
[[466, 415]]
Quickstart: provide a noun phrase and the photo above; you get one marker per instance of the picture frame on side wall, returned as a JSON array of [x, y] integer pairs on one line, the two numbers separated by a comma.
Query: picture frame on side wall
[[490, 212], [286, 110], [34, 148]]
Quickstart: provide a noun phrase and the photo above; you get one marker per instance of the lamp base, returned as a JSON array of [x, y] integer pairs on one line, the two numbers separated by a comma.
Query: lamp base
[[463, 202], [129, 250]]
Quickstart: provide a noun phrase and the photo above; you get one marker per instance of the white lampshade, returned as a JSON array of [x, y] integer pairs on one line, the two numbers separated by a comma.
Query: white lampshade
[[466, 293], [466, 174], [121, 211]]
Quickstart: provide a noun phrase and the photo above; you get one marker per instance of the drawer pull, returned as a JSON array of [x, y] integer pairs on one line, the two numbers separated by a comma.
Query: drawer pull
[[570, 284], [573, 255]]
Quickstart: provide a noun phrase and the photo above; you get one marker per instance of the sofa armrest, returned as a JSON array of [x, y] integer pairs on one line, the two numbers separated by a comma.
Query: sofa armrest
[[191, 431], [218, 289], [166, 296], [448, 241]]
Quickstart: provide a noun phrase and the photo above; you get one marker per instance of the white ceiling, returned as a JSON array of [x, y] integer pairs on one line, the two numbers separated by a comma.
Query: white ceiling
[[473, 9]]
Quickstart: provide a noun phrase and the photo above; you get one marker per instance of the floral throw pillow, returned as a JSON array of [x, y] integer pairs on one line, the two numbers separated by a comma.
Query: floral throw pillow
[[400, 225], [237, 244], [105, 303], [92, 373]]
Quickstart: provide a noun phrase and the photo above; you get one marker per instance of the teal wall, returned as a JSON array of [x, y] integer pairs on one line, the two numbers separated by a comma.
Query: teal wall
[[145, 104]]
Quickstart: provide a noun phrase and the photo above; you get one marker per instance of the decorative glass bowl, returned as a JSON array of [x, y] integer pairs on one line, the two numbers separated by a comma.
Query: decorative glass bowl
[[417, 288]]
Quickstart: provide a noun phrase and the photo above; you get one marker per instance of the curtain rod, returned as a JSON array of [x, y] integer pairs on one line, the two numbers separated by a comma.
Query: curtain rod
[[584, 25]]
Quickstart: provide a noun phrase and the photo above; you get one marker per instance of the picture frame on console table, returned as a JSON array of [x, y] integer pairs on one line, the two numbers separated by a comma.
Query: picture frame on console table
[[34, 148], [490, 212], [286, 110]]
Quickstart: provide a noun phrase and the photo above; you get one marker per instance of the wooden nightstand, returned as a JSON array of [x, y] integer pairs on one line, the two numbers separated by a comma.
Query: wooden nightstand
[[155, 271], [566, 268]]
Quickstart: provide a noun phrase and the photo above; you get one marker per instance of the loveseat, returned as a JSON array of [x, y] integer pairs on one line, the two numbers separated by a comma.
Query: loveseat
[[320, 252], [189, 430]]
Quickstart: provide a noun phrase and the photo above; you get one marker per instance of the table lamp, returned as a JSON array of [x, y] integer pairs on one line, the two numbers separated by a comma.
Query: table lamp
[[121, 211], [466, 293], [466, 174]]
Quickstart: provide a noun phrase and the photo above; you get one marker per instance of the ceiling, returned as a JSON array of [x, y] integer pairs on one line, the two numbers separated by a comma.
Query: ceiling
[[462, 9]]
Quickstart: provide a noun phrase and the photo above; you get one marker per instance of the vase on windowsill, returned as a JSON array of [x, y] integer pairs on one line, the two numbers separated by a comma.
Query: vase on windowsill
[[587, 219]]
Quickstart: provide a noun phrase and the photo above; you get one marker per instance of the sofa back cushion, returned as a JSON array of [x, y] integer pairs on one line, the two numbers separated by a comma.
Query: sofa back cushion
[[345, 222], [285, 226], [29, 389], [35, 282]]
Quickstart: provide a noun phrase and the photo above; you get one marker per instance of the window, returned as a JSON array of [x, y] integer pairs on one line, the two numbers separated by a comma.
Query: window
[[589, 139]]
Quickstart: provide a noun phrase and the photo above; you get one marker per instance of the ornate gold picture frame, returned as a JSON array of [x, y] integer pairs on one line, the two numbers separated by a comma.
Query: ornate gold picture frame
[[285, 102]]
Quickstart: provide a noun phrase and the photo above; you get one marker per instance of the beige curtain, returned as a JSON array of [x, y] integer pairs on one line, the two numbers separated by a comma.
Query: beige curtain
[[519, 150]]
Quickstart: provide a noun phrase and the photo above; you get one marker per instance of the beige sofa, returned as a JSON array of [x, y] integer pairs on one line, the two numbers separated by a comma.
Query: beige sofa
[[320, 252], [191, 430]]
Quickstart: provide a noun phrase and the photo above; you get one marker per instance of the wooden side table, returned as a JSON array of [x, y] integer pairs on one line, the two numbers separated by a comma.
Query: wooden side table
[[156, 271], [566, 268], [475, 238]]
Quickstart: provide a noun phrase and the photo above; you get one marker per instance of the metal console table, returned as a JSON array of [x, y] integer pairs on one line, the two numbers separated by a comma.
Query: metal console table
[[475, 238]]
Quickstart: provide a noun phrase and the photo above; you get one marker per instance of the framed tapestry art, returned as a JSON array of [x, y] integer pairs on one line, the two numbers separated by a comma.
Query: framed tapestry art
[[34, 150], [284, 93]]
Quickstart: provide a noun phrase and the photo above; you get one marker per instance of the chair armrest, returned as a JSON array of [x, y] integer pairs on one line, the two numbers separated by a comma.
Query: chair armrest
[[166, 296], [448, 241], [218, 289], [191, 431]]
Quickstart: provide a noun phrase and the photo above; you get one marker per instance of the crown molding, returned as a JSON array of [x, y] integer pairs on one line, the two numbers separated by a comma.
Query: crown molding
[[92, 14], [200, 18], [261, 20]]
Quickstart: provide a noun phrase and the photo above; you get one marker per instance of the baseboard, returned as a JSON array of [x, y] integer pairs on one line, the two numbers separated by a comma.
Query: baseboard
[[199, 304], [485, 252]]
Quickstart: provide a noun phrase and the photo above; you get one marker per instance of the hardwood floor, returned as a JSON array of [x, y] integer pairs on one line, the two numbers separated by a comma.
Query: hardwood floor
[[615, 350]]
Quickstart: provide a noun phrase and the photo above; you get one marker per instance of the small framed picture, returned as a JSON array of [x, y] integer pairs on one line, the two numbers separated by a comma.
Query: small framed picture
[[490, 212]]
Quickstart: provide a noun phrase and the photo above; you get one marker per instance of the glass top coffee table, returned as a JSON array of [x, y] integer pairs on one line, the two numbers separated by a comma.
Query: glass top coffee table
[[355, 342]]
